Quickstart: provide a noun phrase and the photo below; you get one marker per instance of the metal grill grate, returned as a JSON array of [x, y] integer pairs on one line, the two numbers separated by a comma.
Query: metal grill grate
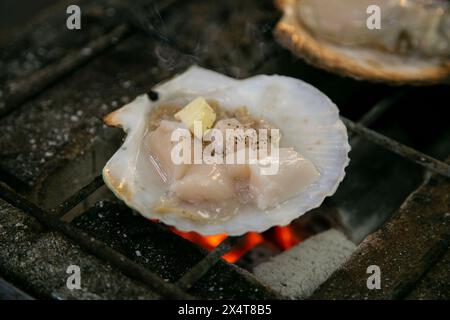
[[51, 219]]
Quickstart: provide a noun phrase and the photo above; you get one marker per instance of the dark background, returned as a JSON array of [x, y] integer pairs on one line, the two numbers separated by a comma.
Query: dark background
[[16, 13]]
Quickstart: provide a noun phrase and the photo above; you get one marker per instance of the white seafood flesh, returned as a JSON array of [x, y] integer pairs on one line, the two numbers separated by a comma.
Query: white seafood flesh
[[420, 27], [159, 146], [295, 173], [204, 182], [223, 198]]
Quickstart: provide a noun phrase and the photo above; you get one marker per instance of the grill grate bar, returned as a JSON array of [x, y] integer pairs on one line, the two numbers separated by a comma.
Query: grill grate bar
[[377, 111], [399, 148], [97, 248], [380, 108], [202, 267], [78, 197]]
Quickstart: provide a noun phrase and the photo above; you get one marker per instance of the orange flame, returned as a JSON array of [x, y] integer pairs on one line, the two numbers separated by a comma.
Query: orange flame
[[251, 240], [283, 237], [207, 242]]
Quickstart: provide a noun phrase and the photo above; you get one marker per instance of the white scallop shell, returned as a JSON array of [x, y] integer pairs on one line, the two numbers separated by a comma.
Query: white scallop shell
[[309, 122]]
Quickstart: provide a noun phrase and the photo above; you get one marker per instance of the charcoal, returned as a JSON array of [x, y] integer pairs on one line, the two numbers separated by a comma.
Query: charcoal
[[298, 272], [257, 255]]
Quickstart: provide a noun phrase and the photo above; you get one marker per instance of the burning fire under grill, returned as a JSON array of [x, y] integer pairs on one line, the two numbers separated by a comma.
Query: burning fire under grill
[[281, 237]]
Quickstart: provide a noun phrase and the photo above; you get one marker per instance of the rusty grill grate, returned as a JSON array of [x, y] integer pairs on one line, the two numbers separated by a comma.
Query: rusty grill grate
[[50, 219]]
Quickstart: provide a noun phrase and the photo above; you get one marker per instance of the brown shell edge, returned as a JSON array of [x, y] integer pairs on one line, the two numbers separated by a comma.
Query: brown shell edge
[[121, 190], [301, 43], [111, 119]]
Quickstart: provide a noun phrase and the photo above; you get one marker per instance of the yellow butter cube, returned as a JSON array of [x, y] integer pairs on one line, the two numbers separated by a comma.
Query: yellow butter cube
[[199, 111]]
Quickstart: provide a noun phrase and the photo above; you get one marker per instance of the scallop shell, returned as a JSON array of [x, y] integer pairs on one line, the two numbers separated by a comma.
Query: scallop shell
[[359, 63], [308, 120]]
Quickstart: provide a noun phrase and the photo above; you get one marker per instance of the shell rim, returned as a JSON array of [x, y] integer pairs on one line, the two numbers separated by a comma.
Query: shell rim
[[216, 228]]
